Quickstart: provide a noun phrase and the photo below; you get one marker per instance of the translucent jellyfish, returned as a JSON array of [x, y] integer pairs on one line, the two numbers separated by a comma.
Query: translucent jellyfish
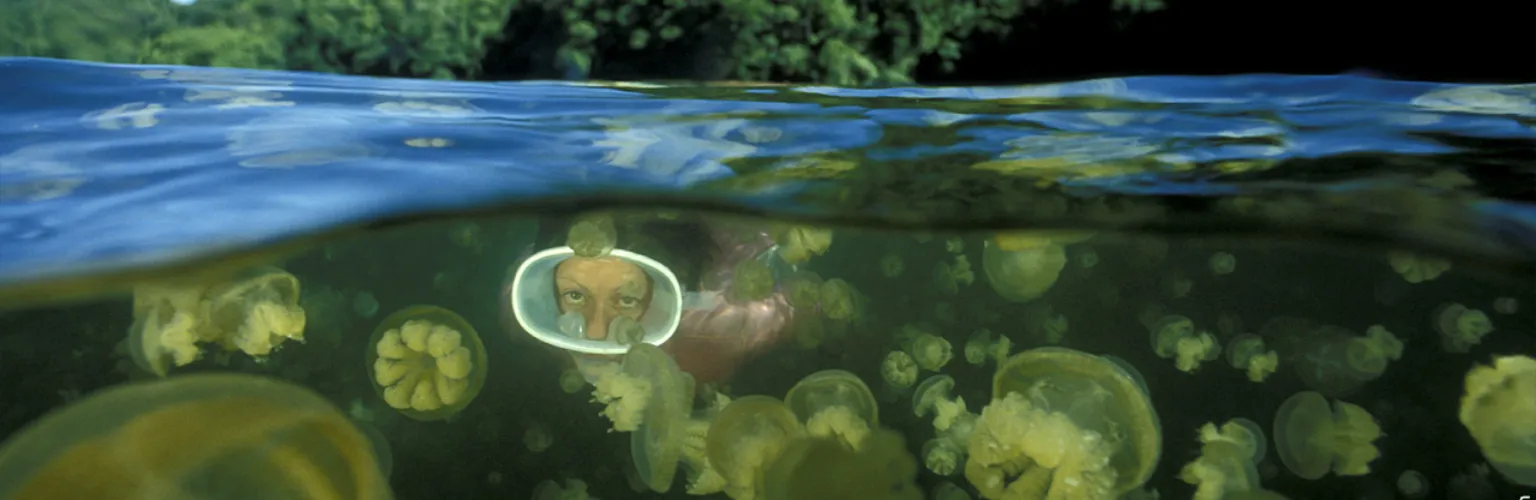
[[752, 281], [574, 489], [1024, 274], [799, 243], [1416, 268], [1228, 456], [327, 316], [1247, 352], [1177, 286], [953, 422], [954, 244], [1088, 259], [571, 381], [257, 312], [1063, 424], [592, 235], [946, 490], [1497, 409], [815, 468], [168, 324], [194, 436], [983, 346], [1506, 305], [803, 289], [746, 436], [1042, 322], [1413, 484], [1222, 263], [426, 362], [648, 395], [1461, 328], [1174, 337], [834, 403], [365, 305], [930, 352], [537, 438], [1313, 439], [839, 301], [899, 370], [891, 265]]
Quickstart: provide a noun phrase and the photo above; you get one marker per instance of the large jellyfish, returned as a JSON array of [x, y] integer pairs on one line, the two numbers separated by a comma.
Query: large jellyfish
[[426, 362], [194, 436], [835, 403], [660, 398], [820, 468], [1063, 424], [746, 436], [1313, 439], [1497, 409]]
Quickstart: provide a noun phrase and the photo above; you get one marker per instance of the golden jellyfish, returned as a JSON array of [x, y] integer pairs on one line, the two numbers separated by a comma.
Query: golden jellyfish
[[820, 468], [1497, 410], [1024, 274], [1313, 439], [426, 362], [198, 436], [835, 403], [746, 436]]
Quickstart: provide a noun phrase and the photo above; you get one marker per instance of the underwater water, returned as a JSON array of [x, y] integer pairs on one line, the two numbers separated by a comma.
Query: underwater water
[[1325, 262]]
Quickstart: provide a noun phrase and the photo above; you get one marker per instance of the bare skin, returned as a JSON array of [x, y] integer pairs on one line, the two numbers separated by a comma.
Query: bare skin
[[601, 289]]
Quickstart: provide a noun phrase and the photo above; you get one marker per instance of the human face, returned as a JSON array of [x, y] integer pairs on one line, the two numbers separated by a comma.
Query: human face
[[601, 289]]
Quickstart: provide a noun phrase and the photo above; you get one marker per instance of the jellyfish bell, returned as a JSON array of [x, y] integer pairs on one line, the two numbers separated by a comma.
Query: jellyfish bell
[[536, 303]]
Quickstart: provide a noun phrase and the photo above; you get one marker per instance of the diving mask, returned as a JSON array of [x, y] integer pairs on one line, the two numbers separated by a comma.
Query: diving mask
[[535, 304]]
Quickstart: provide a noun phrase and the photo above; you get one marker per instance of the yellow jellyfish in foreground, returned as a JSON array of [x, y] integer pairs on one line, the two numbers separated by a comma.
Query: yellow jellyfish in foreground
[[648, 395], [1497, 409], [835, 403], [206, 436], [1063, 424], [747, 435], [426, 362], [819, 468], [1312, 439]]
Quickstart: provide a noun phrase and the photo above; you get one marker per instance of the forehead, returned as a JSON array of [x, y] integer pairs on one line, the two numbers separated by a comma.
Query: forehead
[[599, 270]]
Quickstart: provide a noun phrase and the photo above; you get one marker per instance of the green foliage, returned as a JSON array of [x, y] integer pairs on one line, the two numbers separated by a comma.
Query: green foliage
[[91, 30]]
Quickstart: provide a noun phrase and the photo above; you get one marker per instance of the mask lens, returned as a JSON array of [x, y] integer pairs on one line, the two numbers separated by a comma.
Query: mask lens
[[572, 324]]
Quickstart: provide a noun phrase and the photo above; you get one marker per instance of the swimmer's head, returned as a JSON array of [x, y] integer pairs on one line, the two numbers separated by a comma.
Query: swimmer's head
[[601, 289], [572, 302]]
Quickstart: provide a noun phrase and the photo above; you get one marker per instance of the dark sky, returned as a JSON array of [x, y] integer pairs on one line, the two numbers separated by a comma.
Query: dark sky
[[1451, 40]]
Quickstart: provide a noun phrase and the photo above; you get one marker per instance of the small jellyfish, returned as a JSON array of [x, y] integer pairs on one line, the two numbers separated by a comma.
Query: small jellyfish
[[930, 352], [835, 403], [1088, 259], [982, 346], [1174, 337], [899, 370], [1413, 484], [1222, 263], [426, 362], [799, 243], [1042, 322], [945, 313], [1023, 274], [838, 300], [891, 265], [752, 281], [1415, 268], [574, 489], [948, 491], [571, 381], [1496, 409], [537, 438], [626, 331], [1461, 328], [954, 244], [592, 235], [572, 324], [1313, 439], [1226, 465], [1506, 305], [365, 305], [1247, 352], [1177, 286], [942, 456]]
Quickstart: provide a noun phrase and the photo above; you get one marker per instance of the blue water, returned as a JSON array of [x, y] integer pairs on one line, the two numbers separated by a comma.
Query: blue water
[[104, 167]]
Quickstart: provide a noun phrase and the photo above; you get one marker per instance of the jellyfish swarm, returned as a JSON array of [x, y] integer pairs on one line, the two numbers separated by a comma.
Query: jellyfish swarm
[[952, 421], [195, 436], [1497, 409], [426, 362], [1312, 439], [1063, 424]]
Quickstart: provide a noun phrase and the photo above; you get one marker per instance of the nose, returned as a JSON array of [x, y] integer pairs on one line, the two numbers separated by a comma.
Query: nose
[[597, 325]]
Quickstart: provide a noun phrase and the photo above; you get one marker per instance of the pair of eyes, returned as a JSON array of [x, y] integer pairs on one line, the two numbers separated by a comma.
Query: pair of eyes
[[577, 297]]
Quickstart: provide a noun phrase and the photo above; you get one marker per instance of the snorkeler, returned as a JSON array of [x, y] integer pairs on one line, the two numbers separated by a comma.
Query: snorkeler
[[596, 307]]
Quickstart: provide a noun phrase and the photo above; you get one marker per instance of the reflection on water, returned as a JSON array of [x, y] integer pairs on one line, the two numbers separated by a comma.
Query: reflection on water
[[1124, 358], [1240, 287]]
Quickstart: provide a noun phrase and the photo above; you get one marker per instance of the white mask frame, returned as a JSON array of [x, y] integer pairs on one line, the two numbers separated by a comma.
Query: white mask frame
[[536, 308]]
